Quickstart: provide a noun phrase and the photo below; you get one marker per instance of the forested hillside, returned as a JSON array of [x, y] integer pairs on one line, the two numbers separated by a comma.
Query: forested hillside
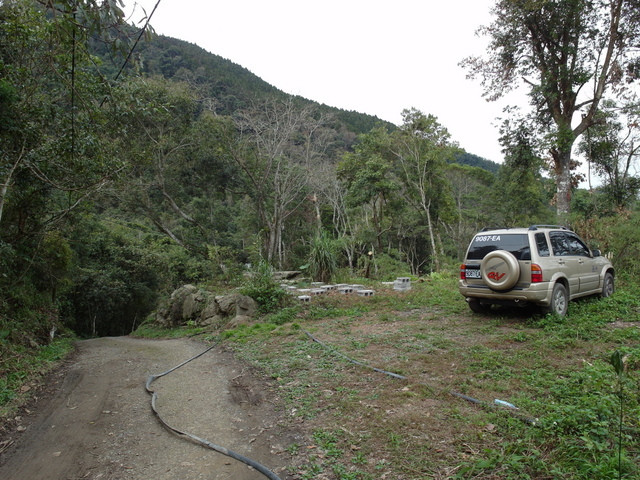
[[187, 168], [233, 86]]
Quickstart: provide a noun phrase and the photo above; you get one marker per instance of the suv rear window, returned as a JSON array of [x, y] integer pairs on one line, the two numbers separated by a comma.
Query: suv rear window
[[515, 243]]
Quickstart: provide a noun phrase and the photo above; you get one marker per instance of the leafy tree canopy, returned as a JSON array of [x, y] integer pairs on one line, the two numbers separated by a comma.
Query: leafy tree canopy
[[569, 55]]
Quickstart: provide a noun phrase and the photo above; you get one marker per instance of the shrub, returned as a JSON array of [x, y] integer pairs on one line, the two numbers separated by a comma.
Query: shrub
[[388, 266], [323, 261], [615, 235], [264, 290]]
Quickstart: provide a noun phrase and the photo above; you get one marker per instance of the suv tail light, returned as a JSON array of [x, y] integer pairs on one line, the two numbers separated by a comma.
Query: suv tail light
[[536, 273], [463, 272]]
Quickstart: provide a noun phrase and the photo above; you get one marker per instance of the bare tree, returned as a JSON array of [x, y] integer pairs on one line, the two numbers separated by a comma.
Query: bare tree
[[332, 192], [276, 149]]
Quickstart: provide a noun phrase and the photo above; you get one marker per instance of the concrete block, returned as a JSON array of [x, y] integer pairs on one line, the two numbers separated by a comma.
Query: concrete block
[[365, 293], [402, 284]]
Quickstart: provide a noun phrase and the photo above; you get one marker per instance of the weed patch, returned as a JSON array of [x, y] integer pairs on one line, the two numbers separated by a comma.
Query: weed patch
[[365, 424], [21, 368]]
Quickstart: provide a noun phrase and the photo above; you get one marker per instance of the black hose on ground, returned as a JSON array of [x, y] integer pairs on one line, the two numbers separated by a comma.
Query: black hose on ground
[[205, 443], [391, 374], [532, 421]]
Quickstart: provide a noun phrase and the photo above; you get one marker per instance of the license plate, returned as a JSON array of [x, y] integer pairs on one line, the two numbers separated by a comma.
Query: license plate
[[473, 273]]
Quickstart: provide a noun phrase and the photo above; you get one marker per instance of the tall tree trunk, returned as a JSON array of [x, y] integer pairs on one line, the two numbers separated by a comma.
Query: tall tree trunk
[[562, 160], [271, 243], [4, 187], [274, 242], [436, 260]]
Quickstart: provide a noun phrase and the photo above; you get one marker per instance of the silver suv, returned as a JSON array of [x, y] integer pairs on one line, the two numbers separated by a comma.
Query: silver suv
[[543, 265]]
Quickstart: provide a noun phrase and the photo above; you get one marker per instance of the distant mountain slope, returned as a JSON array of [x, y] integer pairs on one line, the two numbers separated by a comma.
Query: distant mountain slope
[[232, 85], [476, 161]]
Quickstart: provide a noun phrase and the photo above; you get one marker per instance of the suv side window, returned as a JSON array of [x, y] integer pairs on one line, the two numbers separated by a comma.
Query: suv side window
[[577, 247], [559, 244], [543, 246]]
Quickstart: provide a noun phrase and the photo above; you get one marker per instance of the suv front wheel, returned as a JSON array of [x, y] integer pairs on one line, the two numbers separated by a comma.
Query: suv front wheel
[[608, 286], [559, 301]]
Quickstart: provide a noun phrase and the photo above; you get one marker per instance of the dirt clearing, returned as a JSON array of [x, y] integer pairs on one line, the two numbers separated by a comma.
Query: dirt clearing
[[94, 421]]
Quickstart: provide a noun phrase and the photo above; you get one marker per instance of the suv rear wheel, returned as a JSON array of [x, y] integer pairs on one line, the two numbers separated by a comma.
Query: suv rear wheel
[[559, 301], [478, 307]]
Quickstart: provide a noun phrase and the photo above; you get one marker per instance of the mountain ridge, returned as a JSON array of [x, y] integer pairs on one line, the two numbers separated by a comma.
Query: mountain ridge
[[234, 87]]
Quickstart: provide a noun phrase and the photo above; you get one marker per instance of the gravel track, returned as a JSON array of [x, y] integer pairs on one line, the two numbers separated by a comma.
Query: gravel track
[[94, 419]]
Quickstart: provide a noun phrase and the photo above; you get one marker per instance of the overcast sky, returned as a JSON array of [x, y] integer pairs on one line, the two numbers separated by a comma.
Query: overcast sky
[[365, 55]]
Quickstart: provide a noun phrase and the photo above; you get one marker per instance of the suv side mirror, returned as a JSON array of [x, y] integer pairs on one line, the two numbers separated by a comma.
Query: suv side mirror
[[596, 253]]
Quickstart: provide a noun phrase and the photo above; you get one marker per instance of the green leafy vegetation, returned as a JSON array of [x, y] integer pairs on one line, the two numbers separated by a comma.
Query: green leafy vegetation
[[22, 368], [263, 289], [323, 259], [524, 51], [188, 169]]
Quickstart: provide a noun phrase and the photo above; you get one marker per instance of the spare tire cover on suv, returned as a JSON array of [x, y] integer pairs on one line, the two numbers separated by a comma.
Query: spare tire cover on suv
[[500, 270]]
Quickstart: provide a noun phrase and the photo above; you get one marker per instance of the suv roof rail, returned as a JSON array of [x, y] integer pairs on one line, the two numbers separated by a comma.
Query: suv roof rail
[[535, 227], [488, 229]]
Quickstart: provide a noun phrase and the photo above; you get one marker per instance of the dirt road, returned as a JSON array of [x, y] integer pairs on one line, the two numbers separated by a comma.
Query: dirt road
[[95, 420]]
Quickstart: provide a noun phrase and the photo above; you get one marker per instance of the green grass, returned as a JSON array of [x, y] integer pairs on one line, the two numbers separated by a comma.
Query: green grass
[[554, 369], [23, 367]]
